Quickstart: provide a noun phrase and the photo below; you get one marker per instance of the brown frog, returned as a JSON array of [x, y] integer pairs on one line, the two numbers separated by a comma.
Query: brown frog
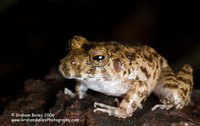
[[132, 72]]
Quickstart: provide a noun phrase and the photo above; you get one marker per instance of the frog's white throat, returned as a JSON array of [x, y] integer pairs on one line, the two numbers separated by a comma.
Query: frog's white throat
[[112, 88]]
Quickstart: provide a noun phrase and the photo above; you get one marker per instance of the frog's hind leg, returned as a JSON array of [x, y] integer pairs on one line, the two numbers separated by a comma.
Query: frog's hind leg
[[174, 90]]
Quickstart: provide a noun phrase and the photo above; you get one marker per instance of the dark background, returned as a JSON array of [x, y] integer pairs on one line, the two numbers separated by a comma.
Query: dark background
[[34, 33]]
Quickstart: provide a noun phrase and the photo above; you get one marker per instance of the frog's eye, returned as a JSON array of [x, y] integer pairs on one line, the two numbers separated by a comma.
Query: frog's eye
[[98, 57]]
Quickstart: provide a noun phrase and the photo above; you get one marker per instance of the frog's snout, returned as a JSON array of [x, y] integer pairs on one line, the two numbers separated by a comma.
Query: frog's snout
[[62, 69]]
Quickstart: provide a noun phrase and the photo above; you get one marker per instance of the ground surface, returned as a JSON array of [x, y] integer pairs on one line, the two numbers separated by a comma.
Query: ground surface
[[45, 98]]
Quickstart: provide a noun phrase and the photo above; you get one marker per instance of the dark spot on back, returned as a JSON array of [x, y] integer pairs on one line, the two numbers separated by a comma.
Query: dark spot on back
[[155, 54], [156, 66], [154, 75], [144, 70], [150, 64], [148, 58], [166, 70], [139, 50], [130, 56]]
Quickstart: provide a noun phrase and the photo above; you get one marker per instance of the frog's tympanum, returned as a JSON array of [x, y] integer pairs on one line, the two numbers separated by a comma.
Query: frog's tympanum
[[132, 72]]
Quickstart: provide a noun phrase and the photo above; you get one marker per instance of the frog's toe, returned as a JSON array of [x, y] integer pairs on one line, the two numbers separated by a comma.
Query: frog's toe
[[162, 106], [69, 92], [104, 106], [110, 110]]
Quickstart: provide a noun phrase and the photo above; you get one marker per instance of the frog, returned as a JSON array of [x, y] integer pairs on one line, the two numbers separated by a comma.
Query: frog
[[124, 70]]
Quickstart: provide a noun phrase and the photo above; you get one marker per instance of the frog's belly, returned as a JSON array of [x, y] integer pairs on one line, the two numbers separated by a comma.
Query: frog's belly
[[115, 88]]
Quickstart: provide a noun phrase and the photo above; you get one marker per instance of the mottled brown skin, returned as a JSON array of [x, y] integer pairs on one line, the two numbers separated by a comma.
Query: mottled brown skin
[[128, 71]]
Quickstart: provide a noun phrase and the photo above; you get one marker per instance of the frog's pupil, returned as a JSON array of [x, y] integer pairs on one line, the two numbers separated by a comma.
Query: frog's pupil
[[98, 57]]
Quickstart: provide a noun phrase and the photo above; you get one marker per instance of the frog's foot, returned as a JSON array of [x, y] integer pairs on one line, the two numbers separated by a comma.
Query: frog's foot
[[110, 110], [69, 92], [118, 103], [162, 106]]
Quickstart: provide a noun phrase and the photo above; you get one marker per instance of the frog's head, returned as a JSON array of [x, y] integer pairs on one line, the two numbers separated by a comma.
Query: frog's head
[[84, 60]]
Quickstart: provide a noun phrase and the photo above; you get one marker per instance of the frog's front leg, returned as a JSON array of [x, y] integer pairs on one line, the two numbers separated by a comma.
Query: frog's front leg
[[80, 89], [135, 95], [174, 90]]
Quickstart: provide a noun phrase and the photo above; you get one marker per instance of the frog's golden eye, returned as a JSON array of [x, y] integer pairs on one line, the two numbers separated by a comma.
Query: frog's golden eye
[[98, 57]]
